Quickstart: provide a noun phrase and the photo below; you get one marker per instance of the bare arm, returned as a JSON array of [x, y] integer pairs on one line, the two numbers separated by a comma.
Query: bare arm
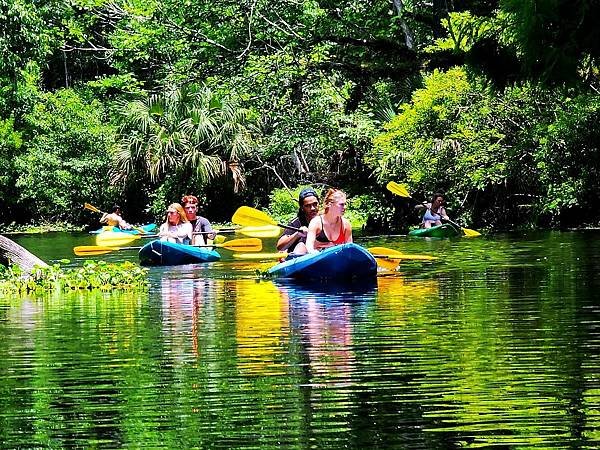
[[185, 231], [442, 213], [347, 230], [163, 231], [287, 240], [314, 227]]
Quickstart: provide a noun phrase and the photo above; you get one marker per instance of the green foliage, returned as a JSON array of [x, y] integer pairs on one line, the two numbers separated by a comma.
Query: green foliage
[[413, 132], [553, 38], [568, 157], [463, 31], [520, 155], [360, 208], [25, 35], [66, 160], [92, 275], [10, 144], [187, 131], [295, 92]]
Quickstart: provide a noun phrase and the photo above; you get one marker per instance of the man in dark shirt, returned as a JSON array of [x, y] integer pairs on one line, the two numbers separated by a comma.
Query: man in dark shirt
[[308, 203], [202, 231]]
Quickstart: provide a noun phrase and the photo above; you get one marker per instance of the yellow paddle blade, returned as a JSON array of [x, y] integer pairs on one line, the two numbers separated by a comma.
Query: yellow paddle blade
[[398, 189], [260, 256], [242, 245], [115, 238], [389, 264], [471, 233], [91, 250], [388, 253], [91, 207], [265, 231], [219, 239], [251, 217]]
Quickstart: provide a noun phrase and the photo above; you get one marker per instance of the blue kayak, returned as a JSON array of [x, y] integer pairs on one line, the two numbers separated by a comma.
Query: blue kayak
[[343, 262], [164, 253], [148, 228]]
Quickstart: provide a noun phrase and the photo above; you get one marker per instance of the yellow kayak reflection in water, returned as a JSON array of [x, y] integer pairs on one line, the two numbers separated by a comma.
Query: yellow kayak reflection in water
[[262, 327]]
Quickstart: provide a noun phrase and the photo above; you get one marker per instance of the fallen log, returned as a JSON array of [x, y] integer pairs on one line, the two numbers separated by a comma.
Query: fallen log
[[13, 253]]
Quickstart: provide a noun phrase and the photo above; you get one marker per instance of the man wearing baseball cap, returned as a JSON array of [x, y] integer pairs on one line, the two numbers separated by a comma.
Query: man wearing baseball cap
[[308, 203]]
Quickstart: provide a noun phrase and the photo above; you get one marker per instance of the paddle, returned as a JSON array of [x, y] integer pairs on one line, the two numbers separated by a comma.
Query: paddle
[[236, 245], [251, 217], [401, 191], [389, 258], [96, 210], [117, 239], [379, 253], [93, 208]]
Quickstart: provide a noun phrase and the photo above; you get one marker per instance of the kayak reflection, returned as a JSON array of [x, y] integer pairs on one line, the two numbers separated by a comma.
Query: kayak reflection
[[262, 328], [322, 321]]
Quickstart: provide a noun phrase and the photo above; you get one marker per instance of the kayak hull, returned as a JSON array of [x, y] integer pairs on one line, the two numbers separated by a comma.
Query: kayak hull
[[163, 253], [148, 228], [346, 262], [445, 230]]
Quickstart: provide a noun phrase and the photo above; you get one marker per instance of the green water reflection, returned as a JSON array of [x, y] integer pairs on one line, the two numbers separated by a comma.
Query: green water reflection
[[494, 345]]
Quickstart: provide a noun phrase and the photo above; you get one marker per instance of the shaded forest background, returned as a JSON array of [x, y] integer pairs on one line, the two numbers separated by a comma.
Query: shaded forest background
[[137, 102]]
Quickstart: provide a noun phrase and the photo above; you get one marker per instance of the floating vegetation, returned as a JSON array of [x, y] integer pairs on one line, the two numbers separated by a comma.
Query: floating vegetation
[[100, 275]]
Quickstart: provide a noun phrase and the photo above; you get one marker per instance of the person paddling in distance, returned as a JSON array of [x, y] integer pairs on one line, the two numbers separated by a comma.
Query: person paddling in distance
[[176, 227], [290, 240], [434, 211], [114, 219], [200, 224], [330, 228]]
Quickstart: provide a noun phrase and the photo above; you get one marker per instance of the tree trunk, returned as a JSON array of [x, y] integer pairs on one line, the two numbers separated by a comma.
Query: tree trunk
[[13, 253], [409, 37]]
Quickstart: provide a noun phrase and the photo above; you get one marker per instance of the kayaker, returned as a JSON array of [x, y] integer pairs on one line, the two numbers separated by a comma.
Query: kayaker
[[114, 219], [177, 227], [200, 224], [330, 228], [308, 208], [434, 211]]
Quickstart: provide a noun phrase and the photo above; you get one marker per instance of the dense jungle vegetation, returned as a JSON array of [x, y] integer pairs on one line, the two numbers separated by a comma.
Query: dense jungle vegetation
[[137, 102]]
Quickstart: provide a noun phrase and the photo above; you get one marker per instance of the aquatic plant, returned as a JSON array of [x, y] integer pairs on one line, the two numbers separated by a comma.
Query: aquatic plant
[[100, 275]]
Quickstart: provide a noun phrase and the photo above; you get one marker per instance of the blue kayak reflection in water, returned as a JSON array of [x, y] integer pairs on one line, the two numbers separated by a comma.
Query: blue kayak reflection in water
[[322, 319]]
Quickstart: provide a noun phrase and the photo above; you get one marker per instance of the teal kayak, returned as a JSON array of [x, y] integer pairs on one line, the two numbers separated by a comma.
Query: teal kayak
[[445, 230], [148, 228], [164, 253], [343, 262]]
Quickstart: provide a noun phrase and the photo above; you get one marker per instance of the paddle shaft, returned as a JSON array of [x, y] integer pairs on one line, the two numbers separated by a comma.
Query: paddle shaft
[[195, 233], [288, 227], [93, 208], [138, 247]]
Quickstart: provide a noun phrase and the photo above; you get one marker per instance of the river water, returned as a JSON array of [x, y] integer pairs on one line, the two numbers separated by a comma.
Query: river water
[[496, 344]]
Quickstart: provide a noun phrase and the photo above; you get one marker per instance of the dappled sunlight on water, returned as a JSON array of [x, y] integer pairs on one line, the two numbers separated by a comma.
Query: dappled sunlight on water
[[494, 344]]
